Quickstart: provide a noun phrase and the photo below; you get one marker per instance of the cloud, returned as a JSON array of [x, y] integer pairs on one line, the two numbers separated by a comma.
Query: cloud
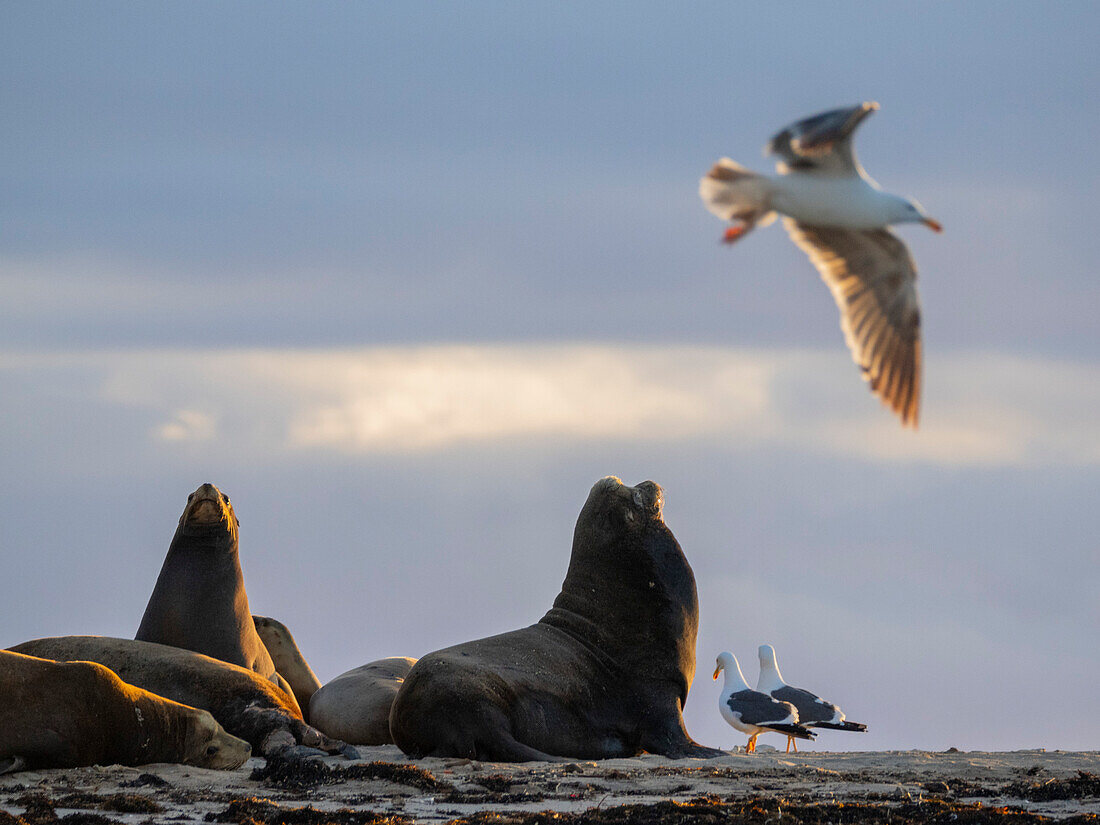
[[980, 409], [187, 425]]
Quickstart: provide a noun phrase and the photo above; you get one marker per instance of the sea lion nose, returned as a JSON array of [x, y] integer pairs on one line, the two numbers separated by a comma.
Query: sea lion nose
[[205, 491]]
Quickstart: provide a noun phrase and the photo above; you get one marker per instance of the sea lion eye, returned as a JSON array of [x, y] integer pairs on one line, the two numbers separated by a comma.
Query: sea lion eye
[[212, 750], [225, 497]]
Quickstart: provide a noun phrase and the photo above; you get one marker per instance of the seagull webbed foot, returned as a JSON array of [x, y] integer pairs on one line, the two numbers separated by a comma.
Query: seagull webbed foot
[[735, 233]]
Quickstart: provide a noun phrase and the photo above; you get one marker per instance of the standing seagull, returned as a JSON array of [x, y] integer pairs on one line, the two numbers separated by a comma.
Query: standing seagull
[[839, 217], [813, 711], [751, 711]]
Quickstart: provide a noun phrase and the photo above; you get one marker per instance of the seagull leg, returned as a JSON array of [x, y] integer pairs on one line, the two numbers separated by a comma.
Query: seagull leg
[[790, 740], [752, 744]]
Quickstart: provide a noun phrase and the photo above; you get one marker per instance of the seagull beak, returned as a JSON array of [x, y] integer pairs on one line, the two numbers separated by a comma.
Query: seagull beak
[[932, 224], [717, 670]]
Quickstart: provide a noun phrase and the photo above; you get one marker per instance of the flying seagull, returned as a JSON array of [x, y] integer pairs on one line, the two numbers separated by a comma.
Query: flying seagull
[[751, 711], [839, 217], [813, 711]]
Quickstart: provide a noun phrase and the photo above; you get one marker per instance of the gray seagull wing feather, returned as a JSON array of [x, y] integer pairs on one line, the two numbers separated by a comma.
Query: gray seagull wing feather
[[811, 707], [874, 281], [821, 143], [757, 708]]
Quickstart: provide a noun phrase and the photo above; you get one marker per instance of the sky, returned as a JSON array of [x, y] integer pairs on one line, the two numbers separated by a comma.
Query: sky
[[405, 280]]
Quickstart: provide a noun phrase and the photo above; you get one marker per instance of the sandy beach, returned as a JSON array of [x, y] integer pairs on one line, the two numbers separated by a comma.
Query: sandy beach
[[384, 786]]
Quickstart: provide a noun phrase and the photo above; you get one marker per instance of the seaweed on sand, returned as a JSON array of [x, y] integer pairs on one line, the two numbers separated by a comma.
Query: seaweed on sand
[[304, 774], [1083, 786], [253, 811], [702, 811]]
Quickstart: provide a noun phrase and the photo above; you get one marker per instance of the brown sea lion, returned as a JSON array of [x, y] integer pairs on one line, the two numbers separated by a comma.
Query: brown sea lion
[[246, 704], [355, 706], [199, 602], [289, 661], [70, 714], [604, 673]]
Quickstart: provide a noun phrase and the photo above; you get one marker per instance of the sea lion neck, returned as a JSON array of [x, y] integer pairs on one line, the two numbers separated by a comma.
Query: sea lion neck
[[629, 593], [150, 715], [612, 597], [204, 537]]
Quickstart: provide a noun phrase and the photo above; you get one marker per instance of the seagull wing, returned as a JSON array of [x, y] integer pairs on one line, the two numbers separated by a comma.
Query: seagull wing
[[811, 707], [760, 709], [873, 280], [822, 143]]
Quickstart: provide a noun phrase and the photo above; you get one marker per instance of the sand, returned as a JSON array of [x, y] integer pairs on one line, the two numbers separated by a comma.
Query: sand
[[898, 786]]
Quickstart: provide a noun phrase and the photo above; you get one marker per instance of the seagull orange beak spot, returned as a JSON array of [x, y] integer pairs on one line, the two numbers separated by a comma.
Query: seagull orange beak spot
[[716, 671], [933, 225]]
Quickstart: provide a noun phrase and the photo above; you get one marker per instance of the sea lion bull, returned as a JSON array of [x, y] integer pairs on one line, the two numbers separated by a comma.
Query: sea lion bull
[[199, 602], [71, 714], [604, 673], [243, 702], [355, 706]]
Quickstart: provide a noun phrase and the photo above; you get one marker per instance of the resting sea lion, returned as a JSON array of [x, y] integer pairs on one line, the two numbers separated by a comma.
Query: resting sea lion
[[70, 714], [199, 602], [355, 706], [246, 704], [289, 662], [604, 674]]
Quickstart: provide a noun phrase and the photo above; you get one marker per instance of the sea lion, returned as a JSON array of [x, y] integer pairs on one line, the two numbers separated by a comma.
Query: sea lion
[[246, 704], [70, 714], [603, 674], [199, 602], [355, 706], [289, 661]]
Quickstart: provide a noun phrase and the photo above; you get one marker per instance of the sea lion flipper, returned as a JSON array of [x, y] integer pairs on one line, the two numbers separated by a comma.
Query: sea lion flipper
[[695, 751], [671, 739], [10, 764], [507, 749]]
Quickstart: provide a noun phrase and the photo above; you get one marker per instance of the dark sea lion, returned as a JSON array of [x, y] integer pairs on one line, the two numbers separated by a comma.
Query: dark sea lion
[[604, 674], [199, 602], [246, 704], [289, 661], [70, 714], [355, 706]]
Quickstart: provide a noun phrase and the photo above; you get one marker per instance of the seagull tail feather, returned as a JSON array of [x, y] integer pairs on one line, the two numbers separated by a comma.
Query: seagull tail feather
[[793, 730], [857, 727], [734, 193]]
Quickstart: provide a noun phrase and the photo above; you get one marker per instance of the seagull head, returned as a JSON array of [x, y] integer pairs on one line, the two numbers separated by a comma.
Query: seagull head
[[724, 660], [909, 211]]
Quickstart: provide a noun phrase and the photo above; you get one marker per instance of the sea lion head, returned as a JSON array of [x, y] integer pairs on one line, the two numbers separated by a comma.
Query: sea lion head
[[208, 745], [208, 511], [613, 507]]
